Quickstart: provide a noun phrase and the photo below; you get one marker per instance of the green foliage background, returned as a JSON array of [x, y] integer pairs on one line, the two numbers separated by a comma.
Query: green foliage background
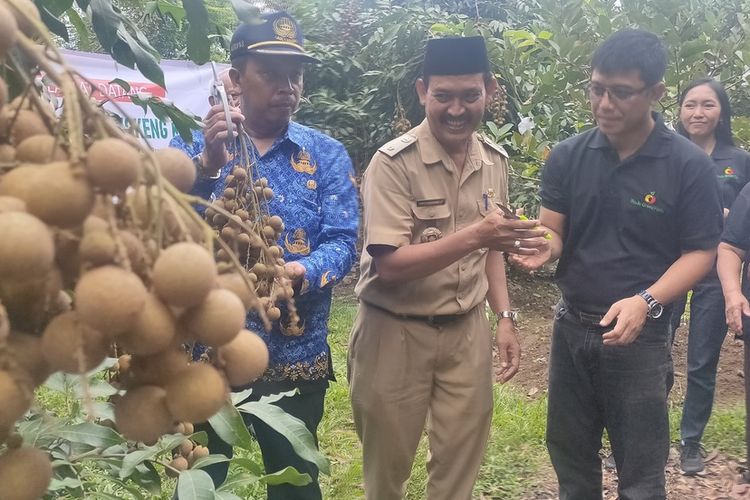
[[371, 52]]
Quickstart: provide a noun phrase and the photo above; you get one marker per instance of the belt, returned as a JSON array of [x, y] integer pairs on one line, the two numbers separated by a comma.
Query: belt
[[434, 320], [588, 318]]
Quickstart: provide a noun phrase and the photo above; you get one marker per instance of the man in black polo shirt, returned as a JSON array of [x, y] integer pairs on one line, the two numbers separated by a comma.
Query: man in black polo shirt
[[635, 214]]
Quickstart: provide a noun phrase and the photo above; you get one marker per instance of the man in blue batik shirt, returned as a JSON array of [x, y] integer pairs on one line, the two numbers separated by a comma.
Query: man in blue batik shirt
[[315, 194]]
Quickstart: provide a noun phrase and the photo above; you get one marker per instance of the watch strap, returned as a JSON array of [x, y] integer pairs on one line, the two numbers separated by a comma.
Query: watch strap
[[655, 308]]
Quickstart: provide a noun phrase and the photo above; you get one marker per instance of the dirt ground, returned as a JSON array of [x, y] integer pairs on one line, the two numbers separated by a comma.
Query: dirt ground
[[535, 298]]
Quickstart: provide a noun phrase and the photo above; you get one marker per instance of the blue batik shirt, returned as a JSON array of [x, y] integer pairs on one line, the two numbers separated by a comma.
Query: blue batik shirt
[[315, 194]]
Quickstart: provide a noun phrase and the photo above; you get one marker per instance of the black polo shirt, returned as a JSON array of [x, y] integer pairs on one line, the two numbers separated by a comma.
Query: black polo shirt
[[737, 231], [732, 168], [628, 221]]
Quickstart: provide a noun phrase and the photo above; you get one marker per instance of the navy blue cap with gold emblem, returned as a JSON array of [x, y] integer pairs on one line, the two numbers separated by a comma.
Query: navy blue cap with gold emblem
[[455, 56], [277, 34]]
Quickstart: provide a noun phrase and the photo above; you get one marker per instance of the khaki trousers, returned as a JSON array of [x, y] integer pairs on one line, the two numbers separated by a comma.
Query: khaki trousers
[[405, 372]]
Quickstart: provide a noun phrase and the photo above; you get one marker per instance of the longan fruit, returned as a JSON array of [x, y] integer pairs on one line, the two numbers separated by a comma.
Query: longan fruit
[[113, 165], [109, 299], [244, 359], [176, 167], [196, 394], [142, 414], [172, 281], [25, 473]]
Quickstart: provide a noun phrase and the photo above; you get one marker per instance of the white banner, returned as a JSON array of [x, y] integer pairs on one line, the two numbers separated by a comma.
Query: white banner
[[188, 87]]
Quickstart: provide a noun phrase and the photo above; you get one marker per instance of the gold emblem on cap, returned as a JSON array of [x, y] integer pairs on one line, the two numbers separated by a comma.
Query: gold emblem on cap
[[431, 234], [284, 29], [304, 163], [299, 245]]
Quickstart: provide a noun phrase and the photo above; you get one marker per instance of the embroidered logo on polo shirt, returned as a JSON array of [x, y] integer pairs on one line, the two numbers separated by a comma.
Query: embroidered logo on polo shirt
[[728, 173], [648, 201]]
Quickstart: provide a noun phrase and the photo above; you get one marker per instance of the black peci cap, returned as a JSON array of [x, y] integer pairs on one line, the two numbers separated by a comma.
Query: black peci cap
[[277, 34], [455, 56]]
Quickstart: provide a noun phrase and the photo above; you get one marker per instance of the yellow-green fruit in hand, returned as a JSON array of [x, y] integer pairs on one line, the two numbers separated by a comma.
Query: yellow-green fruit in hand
[[547, 236]]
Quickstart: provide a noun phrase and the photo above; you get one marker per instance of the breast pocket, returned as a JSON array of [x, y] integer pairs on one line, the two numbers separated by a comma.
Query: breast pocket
[[431, 223]]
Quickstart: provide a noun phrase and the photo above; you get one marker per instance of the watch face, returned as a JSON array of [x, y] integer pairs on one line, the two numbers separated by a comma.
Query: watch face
[[656, 311]]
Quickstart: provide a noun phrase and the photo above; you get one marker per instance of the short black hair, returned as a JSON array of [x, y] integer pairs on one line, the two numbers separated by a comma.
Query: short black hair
[[723, 130], [632, 49]]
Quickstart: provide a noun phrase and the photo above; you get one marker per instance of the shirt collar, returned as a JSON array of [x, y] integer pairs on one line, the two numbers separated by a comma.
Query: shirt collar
[[722, 151], [432, 152], [296, 133], [656, 145]]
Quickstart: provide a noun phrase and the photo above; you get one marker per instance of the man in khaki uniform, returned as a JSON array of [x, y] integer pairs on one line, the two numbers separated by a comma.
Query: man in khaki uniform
[[421, 346]]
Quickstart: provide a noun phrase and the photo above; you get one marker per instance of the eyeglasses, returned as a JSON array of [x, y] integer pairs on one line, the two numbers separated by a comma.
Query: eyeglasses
[[621, 94]]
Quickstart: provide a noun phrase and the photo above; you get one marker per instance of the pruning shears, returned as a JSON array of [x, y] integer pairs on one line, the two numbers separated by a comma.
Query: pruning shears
[[508, 213], [219, 94]]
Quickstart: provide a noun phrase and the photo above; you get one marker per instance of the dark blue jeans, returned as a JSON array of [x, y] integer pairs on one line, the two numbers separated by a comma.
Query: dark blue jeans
[[708, 328], [620, 388]]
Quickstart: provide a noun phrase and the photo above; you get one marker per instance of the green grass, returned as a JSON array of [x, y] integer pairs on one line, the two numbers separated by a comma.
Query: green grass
[[516, 459]]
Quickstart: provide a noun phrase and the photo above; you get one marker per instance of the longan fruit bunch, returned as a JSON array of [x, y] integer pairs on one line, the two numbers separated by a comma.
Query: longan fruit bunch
[[400, 124], [498, 107], [102, 252]]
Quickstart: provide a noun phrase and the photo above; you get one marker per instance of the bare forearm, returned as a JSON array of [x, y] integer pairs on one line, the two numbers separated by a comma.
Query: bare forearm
[[497, 294], [412, 262], [682, 275], [729, 267]]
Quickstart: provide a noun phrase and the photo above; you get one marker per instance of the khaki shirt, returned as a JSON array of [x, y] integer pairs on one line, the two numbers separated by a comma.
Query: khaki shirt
[[412, 190]]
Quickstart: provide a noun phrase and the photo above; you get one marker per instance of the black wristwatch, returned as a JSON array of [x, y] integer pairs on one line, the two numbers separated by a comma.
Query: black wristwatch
[[655, 308], [200, 167]]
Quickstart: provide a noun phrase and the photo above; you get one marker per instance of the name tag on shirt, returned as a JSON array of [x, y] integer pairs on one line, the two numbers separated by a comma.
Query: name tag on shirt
[[431, 203]]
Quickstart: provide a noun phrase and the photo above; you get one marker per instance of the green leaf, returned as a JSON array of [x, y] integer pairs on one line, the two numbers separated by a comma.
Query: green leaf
[[134, 459], [101, 495], [293, 429], [237, 481], [92, 434], [249, 465], [147, 477], [288, 475], [65, 483], [106, 22], [544, 35], [55, 7], [82, 31], [195, 485], [225, 495], [200, 437], [230, 427], [40, 432], [240, 397], [146, 62], [209, 460], [176, 12], [246, 12], [54, 24], [198, 46]]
